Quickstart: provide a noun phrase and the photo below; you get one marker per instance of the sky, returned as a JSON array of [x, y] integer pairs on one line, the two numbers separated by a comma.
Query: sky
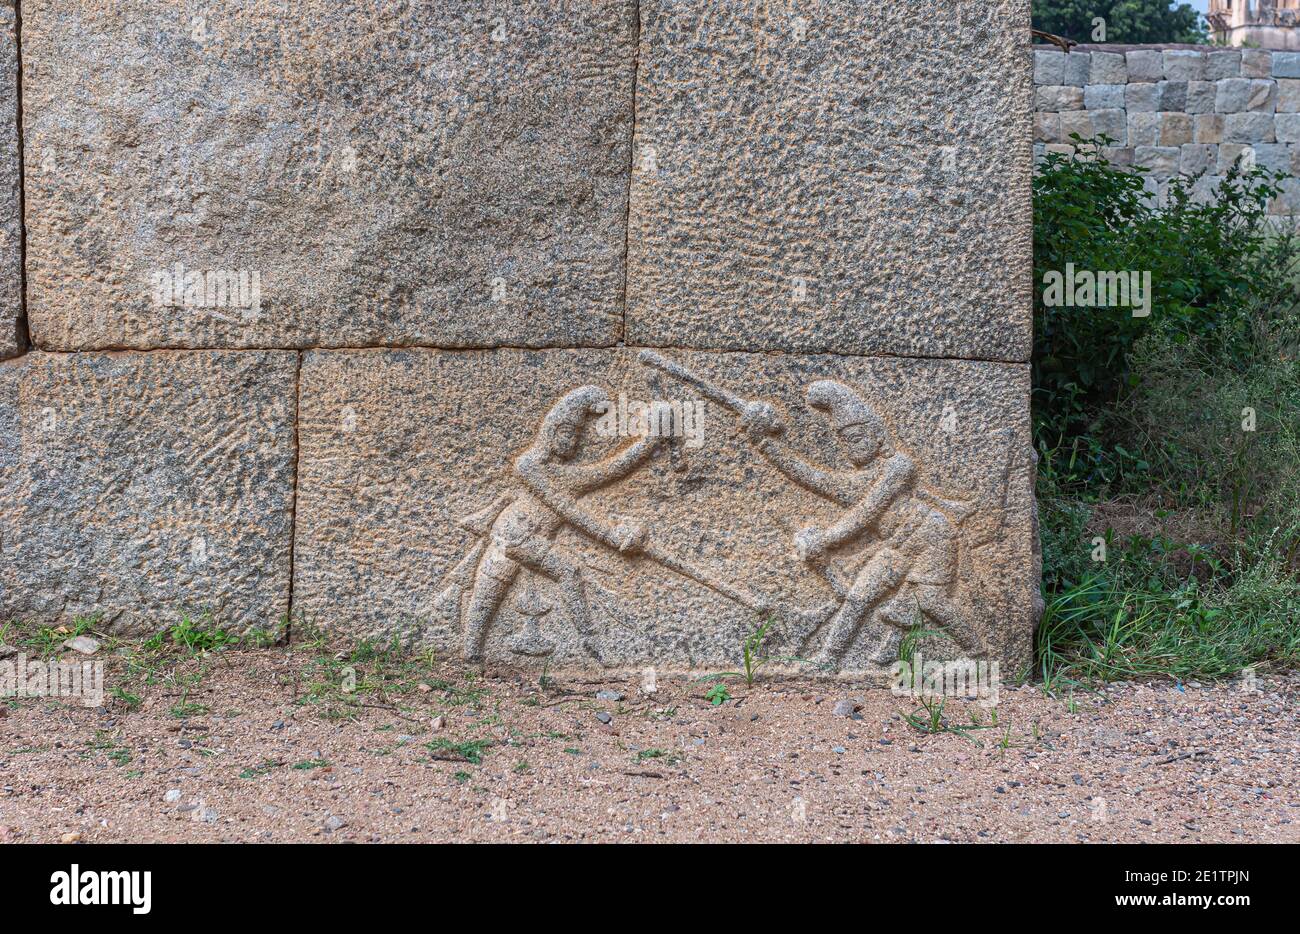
[[1202, 5]]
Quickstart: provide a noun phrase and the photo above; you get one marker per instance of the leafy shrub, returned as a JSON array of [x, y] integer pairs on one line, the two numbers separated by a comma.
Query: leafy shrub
[[1135, 21], [1208, 262], [1174, 439]]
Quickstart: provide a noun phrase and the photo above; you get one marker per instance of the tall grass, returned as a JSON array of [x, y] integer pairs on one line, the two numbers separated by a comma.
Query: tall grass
[[1184, 463]]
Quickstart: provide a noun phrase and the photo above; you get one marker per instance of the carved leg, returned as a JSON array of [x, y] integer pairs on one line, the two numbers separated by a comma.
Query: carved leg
[[936, 604], [900, 614], [567, 574], [886, 650], [484, 602], [877, 578]]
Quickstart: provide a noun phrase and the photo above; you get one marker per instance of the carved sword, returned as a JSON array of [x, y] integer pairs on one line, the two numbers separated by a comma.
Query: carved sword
[[710, 390], [745, 598]]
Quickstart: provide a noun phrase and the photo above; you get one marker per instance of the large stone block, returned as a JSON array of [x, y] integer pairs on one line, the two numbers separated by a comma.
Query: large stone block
[[1232, 95], [1288, 128], [1286, 64], [1143, 129], [1049, 66], [1047, 128], [1108, 68], [481, 503], [1173, 95], [1142, 97], [1207, 128], [1104, 97], [841, 177], [1109, 123], [143, 486], [1288, 95], [1052, 98], [1198, 158], [1288, 201], [1077, 122], [1201, 97], [451, 172], [1175, 129], [1248, 128], [1256, 63], [1223, 64], [1145, 65], [12, 332], [1274, 157], [1184, 65], [1078, 69], [1263, 96], [1231, 154], [1160, 161]]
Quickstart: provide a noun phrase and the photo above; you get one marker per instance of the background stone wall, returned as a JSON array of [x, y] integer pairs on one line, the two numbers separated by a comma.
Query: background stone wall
[[1178, 110], [304, 282]]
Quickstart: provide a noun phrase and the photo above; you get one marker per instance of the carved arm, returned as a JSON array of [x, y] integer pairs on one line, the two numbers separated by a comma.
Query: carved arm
[[898, 475], [837, 488]]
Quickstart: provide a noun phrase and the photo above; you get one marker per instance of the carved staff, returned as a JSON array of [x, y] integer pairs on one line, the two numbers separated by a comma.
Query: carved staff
[[745, 598], [796, 625], [710, 390], [797, 620]]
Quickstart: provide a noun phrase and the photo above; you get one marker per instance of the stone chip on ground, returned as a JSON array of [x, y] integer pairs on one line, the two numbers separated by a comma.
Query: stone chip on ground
[[85, 645]]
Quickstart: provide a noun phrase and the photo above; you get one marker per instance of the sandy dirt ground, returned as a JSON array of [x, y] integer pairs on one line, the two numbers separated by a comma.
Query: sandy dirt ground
[[251, 748]]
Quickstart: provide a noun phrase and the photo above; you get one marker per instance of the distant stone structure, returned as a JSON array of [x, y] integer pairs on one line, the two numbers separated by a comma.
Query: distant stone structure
[[1262, 24]]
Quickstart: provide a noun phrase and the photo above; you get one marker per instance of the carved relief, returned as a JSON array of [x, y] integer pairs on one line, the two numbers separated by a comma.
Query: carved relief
[[518, 530], [896, 555]]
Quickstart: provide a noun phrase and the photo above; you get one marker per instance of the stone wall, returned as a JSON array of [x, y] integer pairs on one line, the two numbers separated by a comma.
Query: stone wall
[[352, 314], [1175, 110]]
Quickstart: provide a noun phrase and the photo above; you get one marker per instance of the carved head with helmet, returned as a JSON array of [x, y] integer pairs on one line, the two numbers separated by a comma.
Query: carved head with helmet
[[561, 430], [855, 423]]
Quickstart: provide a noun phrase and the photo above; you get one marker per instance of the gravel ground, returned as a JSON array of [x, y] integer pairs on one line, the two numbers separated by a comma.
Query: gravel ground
[[256, 751]]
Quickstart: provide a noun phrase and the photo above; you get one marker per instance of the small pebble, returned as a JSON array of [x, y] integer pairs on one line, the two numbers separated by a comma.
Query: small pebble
[[83, 644]]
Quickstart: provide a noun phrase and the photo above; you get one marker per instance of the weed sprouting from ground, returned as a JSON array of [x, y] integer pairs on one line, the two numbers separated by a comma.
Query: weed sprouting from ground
[[470, 751]]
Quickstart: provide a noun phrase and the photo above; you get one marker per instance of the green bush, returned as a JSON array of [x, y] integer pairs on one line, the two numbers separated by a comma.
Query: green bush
[[1208, 260], [1174, 439], [1134, 21]]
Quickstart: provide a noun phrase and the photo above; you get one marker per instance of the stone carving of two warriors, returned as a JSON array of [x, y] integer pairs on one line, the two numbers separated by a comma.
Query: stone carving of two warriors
[[909, 577]]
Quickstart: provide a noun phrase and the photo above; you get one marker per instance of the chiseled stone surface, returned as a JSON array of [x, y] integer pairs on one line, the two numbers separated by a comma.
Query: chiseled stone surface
[[832, 175], [452, 172], [140, 486], [442, 493], [12, 340]]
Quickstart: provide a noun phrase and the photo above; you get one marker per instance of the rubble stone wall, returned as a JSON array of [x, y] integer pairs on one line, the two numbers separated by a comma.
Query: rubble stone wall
[[1177, 111]]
